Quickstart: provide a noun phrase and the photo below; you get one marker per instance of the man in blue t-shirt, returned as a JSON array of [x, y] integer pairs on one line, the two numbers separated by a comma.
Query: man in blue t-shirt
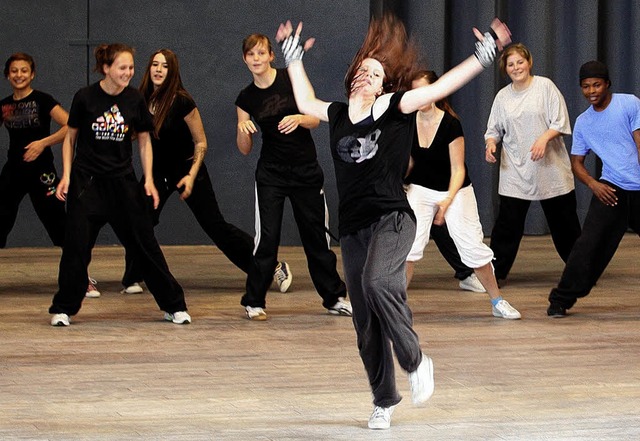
[[610, 128]]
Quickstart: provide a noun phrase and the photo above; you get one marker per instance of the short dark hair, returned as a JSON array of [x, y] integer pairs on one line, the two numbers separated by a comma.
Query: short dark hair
[[19, 56]]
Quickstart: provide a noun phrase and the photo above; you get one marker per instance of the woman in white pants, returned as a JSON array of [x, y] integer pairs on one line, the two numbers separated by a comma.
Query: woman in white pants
[[440, 190]]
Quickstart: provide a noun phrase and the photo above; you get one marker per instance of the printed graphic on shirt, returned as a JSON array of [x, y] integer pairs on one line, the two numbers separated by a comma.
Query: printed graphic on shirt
[[353, 149], [110, 126], [273, 106], [22, 115]]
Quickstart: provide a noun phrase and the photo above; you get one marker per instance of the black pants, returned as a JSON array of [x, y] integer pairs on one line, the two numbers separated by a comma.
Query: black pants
[[602, 232], [233, 242], [447, 247], [39, 180], [310, 213], [508, 230], [374, 261], [91, 203]]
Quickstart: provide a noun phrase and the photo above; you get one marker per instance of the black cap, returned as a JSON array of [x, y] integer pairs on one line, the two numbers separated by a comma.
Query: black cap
[[594, 69]]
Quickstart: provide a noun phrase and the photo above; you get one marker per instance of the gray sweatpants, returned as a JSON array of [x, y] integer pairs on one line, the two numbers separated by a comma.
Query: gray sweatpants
[[374, 268]]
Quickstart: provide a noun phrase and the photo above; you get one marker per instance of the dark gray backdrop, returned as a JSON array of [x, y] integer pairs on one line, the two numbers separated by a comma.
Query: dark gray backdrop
[[207, 37]]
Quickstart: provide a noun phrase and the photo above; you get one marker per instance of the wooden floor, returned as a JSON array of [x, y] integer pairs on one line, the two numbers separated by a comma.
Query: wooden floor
[[121, 373]]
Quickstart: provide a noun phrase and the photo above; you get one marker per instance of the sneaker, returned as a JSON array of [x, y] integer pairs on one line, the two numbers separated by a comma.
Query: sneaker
[[282, 276], [256, 313], [178, 317], [380, 419], [421, 381], [132, 289], [92, 292], [342, 307], [556, 311], [60, 320], [472, 283], [504, 310]]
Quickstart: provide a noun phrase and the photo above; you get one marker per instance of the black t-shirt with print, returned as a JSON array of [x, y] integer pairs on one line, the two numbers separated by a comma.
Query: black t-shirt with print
[[27, 120], [174, 144], [432, 164], [370, 159], [267, 107], [105, 125]]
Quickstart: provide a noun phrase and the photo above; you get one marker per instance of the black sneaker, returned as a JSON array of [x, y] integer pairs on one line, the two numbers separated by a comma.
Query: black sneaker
[[556, 311]]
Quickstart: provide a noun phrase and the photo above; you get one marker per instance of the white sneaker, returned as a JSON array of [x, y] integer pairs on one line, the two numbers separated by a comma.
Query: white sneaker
[[256, 313], [472, 283], [504, 310], [342, 307], [60, 320], [178, 317], [135, 288], [92, 292], [282, 276], [421, 381], [381, 417]]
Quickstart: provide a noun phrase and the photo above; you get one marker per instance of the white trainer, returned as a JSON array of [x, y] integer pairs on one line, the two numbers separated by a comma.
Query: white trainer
[[342, 307], [92, 291], [134, 288], [472, 283], [504, 310], [178, 317], [256, 313], [282, 276], [421, 381], [380, 419], [60, 320]]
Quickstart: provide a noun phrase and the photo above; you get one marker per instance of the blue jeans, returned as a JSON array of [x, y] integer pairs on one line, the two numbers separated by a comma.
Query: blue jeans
[[374, 268]]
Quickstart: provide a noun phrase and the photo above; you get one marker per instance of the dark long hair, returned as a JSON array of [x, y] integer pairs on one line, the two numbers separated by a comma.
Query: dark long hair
[[162, 98], [387, 42], [432, 77]]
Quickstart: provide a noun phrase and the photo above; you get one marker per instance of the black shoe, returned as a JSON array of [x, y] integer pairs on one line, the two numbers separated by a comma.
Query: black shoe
[[557, 311]]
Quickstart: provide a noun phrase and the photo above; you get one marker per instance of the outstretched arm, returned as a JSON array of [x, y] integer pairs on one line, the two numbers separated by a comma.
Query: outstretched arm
[[461, 74], [302, 89]]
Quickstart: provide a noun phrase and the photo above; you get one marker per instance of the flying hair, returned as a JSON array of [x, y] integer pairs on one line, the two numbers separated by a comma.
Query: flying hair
[[388, 43]]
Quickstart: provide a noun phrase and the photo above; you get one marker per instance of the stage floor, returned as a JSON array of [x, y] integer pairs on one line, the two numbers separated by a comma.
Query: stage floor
[[119, 372]]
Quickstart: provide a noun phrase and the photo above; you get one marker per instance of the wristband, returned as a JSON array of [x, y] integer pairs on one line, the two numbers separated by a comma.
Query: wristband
[[486, 50]]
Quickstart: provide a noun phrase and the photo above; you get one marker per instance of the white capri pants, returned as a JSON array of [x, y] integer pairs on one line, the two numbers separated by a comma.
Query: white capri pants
[[462, 221]]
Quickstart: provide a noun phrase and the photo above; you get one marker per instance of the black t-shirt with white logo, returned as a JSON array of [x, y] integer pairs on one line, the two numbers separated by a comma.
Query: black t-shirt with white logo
[[105, 125], [370, 160]]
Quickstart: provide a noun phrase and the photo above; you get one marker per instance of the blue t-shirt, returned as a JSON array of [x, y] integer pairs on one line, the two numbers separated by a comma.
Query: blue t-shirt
[[609, 134]]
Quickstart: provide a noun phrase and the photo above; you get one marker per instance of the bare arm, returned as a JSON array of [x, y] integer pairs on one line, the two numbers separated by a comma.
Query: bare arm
[[34, 149], [291, 122], [606, 194], [245, 130], [146, 159], [194, 122], [456, 156], [491, 145], [539, 147], [305, 95], [455, 78], [67, 159]]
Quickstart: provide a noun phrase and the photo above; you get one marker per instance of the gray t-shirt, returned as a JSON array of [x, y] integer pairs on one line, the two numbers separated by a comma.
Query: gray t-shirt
[[517, 119]]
